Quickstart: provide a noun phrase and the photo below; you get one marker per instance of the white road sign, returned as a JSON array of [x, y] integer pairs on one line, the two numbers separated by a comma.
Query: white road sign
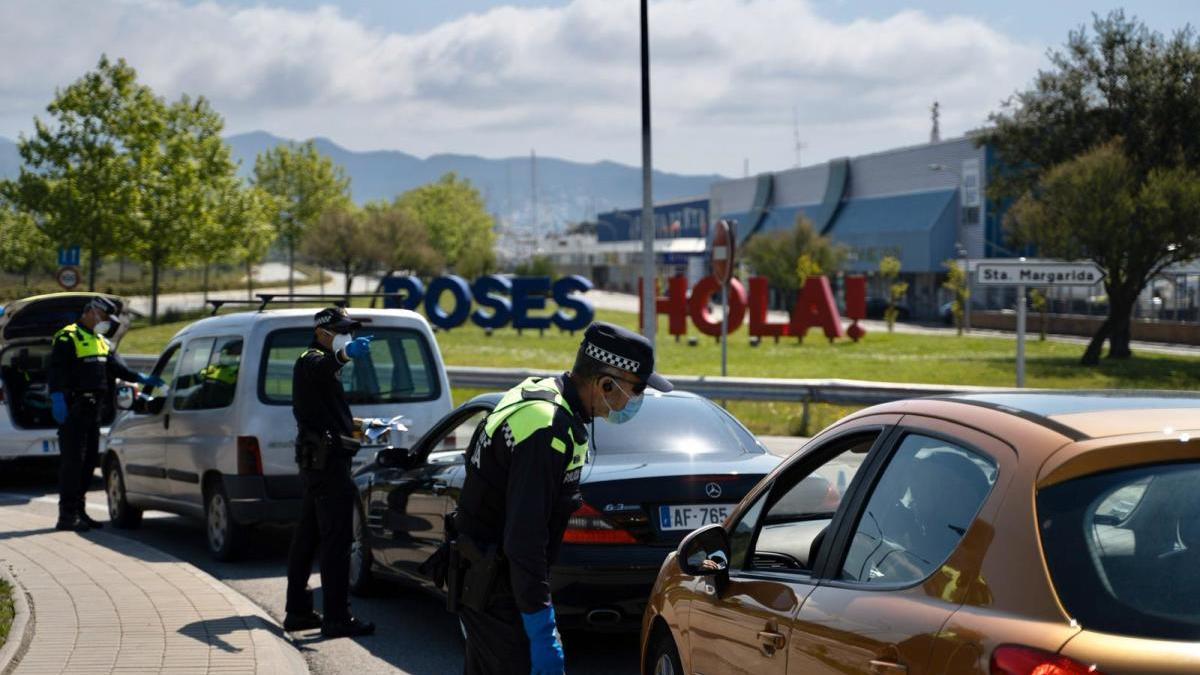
[[1039, 273]]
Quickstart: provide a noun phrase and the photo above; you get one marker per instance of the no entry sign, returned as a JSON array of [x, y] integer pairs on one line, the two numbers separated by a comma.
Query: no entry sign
[[721, 253]]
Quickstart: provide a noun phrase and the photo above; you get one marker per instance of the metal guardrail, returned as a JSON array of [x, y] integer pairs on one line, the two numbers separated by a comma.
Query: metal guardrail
[[842, 392]]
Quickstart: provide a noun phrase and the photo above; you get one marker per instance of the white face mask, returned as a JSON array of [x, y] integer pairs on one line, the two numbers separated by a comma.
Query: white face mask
[[340, 340], [102, 327]]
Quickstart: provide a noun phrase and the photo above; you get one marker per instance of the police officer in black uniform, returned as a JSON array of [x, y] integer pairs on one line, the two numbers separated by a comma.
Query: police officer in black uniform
[[521, 487], [83, 368], [324, 448]]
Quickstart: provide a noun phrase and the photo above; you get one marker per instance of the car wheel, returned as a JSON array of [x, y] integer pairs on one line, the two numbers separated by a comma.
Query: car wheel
[[361, 579], [664, 658], [120, 513], [224, 534]]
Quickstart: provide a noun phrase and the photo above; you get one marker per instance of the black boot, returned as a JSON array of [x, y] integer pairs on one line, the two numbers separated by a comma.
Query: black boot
[[306, 621], [351, 627], [91, 522], [71, 522]]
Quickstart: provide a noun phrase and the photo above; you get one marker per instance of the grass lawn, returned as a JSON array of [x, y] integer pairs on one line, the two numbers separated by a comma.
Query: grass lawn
[[895, 357], [7, 610]]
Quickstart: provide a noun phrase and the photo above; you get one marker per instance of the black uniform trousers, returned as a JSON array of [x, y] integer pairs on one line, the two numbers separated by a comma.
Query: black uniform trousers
[[496, 640], [79, 452], [326, 521]]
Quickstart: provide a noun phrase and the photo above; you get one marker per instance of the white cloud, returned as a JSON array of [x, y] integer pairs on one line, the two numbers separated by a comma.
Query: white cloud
[[726, 74]]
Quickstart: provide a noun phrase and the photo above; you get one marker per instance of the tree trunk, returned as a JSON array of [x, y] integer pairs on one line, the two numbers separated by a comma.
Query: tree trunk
[[291, 267], [154, 293], [205, 284], [92, 263], [349, 280], [249, 280], [1091, 356], [1120, 309]]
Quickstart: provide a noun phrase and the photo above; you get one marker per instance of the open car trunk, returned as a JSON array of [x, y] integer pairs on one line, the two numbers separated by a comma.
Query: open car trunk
[[26, 329]]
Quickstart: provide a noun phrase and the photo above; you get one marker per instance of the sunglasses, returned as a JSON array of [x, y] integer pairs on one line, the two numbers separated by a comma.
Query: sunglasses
[[638, 388]]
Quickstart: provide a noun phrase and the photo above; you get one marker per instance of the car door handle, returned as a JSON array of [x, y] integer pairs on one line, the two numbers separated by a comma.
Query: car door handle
[[167, 421], [771, 641], [440, 488], [884, 667]]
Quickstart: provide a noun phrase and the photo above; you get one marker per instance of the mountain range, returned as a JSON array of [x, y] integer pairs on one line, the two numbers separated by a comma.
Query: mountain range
[[566, 191]]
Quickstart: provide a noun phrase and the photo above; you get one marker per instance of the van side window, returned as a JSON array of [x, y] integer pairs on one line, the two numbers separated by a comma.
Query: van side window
[[221, 375], [189, 383]]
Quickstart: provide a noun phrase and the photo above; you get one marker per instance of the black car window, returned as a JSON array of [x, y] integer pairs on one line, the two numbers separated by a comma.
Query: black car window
[[922, 505], [674, 424], [188, 387], [1123, 548], [802, 505]]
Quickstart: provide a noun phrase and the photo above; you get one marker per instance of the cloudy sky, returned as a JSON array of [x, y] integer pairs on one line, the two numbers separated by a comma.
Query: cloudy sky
[[499, 77]]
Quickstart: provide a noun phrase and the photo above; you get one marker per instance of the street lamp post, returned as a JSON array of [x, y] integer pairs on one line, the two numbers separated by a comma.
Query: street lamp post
[[966, 263], [649, 318]]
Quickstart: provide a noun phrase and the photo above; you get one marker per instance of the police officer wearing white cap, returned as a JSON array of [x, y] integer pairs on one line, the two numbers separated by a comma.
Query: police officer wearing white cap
[[521, 487]]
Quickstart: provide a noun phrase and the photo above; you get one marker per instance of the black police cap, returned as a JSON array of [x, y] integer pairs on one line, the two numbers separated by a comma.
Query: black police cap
[[625, 350], [336, 319]]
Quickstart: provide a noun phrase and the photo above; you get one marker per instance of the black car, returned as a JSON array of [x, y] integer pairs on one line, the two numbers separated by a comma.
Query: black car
[[877, 309], [682, 463]]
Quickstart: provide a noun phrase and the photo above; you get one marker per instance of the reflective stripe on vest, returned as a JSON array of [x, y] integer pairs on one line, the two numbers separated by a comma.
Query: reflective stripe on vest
[[526, 417], [88, 347]]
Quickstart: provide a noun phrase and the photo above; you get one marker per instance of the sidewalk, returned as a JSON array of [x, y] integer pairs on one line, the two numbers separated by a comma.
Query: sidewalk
[[102, 603]]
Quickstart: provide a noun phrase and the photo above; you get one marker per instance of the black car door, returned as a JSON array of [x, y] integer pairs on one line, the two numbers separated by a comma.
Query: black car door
[[407, 506]]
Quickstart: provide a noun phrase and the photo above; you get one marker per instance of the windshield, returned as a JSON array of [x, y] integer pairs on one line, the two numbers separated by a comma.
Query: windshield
[[675, 424], [400, 368]]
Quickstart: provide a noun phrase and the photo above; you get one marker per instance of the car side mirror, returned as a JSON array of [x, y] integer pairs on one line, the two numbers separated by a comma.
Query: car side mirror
[[393, 457], [705, 552]]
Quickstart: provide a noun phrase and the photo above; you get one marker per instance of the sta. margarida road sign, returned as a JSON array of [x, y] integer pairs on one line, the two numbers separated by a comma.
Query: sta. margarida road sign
[[1038, 273]]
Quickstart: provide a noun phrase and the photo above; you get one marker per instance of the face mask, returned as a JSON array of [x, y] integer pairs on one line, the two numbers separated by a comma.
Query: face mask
[[624, 415], [340, 341], [102, 327]]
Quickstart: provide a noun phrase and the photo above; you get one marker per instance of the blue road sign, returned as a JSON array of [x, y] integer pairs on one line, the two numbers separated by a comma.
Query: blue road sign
[[68, 256]]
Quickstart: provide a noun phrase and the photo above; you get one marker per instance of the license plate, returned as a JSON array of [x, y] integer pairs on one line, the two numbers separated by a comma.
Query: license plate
[[691, 516]]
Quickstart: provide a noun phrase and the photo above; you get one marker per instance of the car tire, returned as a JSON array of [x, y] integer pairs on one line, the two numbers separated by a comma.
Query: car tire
[[223, 534], [664, 656], [362, 580], [120, 512]]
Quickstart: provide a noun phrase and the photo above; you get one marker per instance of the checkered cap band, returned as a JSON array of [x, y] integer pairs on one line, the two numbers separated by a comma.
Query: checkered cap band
[[615, 360]]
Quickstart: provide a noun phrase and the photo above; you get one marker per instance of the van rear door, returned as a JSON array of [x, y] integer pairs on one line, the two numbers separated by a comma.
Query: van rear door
[[41, 316]]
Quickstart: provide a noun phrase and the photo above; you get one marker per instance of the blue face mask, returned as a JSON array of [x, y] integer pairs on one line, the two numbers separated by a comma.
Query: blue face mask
[[625, 414]]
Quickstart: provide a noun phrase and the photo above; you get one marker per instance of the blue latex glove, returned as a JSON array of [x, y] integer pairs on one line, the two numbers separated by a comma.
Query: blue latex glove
[[359, 347], [545, 649], [58, 407], [151, 380]]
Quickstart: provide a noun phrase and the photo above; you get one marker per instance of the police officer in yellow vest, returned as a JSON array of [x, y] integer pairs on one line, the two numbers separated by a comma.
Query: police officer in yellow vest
[[83, 367], [521, 487]]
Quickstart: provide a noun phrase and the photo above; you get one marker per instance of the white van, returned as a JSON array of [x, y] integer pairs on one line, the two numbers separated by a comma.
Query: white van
[[219, 441], [27, 328]]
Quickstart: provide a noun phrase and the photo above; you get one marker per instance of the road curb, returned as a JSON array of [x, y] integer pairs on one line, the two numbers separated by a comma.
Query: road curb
[[21, 631]]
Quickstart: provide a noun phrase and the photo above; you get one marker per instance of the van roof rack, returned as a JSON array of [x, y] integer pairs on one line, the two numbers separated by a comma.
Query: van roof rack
[[264, 299]]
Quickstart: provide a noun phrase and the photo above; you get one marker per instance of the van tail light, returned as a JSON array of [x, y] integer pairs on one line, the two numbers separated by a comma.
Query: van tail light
[[588, 526], [249, 456], [1018, 660]]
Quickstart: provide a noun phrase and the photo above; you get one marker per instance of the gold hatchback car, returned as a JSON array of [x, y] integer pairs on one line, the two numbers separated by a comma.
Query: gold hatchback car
[[1006, 534]]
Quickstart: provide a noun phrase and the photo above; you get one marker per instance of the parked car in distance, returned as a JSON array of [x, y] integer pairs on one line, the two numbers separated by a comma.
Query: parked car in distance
[[946, 311], [218, 442], [1000, 534], [681, 463], [876, 308], [27, 328]]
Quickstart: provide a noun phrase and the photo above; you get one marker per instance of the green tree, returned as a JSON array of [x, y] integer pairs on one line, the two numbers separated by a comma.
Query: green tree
[[305, 184], [537, 266], [24, 249], [459, 225], [1099, 207], [340, 240], [400, 243], [956, 283], [189, 166], [250, 213], [77, 179], [1040, 304], [1134, 92], [889, 269], [778, 256]]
